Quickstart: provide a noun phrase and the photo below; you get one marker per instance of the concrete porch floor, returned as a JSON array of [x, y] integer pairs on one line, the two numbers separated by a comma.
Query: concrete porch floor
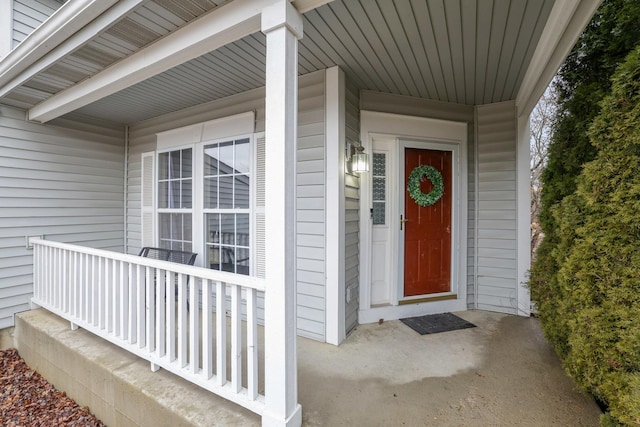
[[501, 373]]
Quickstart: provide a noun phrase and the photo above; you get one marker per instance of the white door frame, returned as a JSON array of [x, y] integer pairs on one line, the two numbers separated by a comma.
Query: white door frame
[[424, 133]]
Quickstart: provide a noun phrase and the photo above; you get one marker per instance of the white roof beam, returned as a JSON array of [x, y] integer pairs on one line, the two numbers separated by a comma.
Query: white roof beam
[[566, 22], [306, 5], [213, 30], [64, 23], [88, 32]]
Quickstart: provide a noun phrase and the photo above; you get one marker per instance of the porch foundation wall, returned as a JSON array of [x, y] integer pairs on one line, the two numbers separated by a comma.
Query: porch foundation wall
[[6, 338], [118, 387]]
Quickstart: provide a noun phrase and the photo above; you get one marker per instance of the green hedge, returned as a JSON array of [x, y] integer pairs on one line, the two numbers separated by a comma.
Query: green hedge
[[590, 309]]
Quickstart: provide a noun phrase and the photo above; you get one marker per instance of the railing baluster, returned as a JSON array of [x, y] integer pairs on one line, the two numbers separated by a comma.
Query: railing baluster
[[50, 276], [95, 290], [194, 325], [141, 304], [80, 290], [107, 294], [252, 344], [64, 283], [75, 288], [170, 279], [161, 312], [54, 278], [221, 334], [124, 302], [236, 339], [207, 330], [150, 311], [102, 292], [115, 291], [132, 303], [182, 322]]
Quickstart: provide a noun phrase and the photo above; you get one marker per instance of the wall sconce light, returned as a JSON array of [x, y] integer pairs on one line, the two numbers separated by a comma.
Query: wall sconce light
[[358, 158]]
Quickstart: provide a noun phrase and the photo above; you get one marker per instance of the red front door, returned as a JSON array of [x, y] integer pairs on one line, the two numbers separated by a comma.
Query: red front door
[[427, 229]]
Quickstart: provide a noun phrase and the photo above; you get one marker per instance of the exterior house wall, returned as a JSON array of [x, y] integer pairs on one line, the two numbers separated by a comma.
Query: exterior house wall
[[496, 258], [63, 181], [28, 15], [397, 104], [352, 211], [310, 182]]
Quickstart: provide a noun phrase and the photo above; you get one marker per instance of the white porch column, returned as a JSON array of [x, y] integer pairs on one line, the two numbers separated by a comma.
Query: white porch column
[[282, 25]]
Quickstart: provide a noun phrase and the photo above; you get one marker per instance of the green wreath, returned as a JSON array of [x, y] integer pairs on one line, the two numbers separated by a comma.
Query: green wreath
[[413, 186]]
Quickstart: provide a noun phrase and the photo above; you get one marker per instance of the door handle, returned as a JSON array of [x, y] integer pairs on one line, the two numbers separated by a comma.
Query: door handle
[[402, 221]]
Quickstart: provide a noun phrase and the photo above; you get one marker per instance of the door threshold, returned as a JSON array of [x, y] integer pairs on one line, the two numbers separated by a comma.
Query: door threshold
[[428, 299]]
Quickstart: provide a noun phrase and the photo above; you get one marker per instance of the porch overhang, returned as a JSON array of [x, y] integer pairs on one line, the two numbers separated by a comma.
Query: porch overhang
[[504, 53], [566, 22]]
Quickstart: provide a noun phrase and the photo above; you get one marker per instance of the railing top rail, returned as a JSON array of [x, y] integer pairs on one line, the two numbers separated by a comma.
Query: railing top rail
[[199, 272]]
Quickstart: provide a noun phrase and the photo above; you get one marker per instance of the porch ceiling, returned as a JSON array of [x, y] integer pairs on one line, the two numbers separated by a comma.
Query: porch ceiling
[[456, 51]]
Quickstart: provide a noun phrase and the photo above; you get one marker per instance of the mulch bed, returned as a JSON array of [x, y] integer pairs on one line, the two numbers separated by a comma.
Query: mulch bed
[[27, 399]]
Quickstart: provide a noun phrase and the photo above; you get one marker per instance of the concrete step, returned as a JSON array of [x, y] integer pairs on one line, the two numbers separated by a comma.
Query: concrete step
[[118, 387]]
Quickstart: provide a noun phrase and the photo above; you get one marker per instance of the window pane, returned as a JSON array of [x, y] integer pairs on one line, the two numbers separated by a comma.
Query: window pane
[[187, 227], [379, 213], [243, 156], [186, 163], [186, 194], [242, 192], [211, 160], [210, 193], [379, 189], [242, 230], [226, 158], [163, 165], [379, 164], [174, 194], [174, 164], [226, 192], [213, 257], [165, 225], [176, 227], [227, 258], [227, 228], [163, 189], [242, 261], [213, 228]]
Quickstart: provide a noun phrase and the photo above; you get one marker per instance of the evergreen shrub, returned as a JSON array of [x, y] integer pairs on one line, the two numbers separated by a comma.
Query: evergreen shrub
[[594, 300]]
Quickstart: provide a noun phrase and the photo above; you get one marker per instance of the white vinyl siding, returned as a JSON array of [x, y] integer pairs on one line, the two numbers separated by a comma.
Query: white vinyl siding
[[63, 181], [311, 206], [352, 211], [29, 14], [497, 140], [310, 168], [396, 104]]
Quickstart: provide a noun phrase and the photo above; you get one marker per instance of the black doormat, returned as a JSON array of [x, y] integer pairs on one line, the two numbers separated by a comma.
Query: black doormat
[[434, 323]]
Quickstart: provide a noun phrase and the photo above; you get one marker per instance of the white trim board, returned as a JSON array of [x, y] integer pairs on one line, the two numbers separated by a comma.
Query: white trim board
[[436, 132], [335, 215]]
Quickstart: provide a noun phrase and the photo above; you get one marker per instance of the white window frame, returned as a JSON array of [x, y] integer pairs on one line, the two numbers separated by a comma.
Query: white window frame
[[202, 211], [158, 210], [196, 137]]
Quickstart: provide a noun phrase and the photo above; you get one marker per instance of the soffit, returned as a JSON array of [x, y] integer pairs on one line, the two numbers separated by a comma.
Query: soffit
[[466, 52]]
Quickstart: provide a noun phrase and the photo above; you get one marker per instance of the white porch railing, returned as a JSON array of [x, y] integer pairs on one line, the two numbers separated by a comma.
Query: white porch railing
[[131, 301]]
